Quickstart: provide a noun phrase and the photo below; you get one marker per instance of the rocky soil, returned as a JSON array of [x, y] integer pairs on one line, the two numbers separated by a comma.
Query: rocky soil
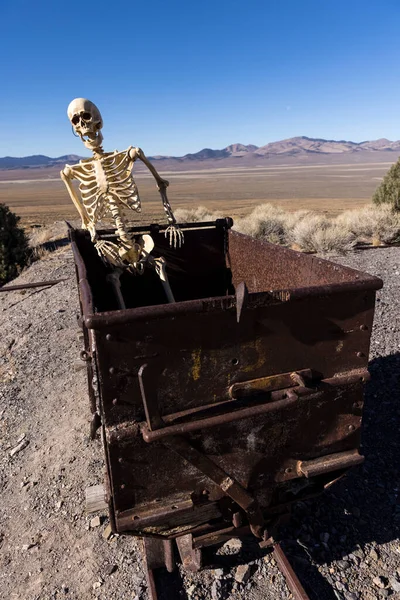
[[344, 545]]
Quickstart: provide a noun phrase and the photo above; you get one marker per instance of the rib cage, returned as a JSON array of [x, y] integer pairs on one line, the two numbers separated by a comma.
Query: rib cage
[[106, 182]]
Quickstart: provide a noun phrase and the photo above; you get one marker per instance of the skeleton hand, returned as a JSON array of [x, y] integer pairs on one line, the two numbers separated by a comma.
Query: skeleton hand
[[109, 251], [162, 184], [175, 236]]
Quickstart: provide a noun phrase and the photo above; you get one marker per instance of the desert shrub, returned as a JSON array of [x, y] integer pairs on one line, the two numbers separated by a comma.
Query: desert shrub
[[388, 191], [302, 231], [376, 224], [265, 222], [196, 215], [13, 245], [332, 239]]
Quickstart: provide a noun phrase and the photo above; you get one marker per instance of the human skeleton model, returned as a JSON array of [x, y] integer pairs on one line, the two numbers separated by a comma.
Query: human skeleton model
[[107, 188]]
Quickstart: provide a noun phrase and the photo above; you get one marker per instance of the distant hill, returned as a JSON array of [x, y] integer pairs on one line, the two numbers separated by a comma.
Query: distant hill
[[38, 160], [295, 146]]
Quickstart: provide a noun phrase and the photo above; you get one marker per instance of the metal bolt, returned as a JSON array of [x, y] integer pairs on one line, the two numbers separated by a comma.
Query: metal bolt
[[363, 327], [120, 460], [111, 370], [351, 428], [288, 470], [109, 337], [360, 354], [122, 486], [115, 400]]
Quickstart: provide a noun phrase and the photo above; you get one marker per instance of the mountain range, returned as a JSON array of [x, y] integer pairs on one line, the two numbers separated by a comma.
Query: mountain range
[[292, 147]]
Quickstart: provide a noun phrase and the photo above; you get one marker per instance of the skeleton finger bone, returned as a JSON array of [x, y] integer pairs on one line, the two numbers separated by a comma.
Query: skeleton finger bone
[[110, 252], [174, 236]]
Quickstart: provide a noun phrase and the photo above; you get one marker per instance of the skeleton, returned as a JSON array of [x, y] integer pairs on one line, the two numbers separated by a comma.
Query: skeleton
[[107, 188]]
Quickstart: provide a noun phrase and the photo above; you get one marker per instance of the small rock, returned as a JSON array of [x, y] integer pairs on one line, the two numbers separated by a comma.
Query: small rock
[[339, 586], [218, 573], [191, 590], [96, 585], [373, 554], [242, 573], [380, 582], [110, 569], [26, 547], [351, 596], [95, 522], [343, 564], [354, 558], [394, 584], [384, 593], [215, 590], [107, 533], [23, 444]]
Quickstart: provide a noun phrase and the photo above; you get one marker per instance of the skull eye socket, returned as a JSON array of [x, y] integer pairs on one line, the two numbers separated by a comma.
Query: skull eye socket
[[75, 119], [86, 116]]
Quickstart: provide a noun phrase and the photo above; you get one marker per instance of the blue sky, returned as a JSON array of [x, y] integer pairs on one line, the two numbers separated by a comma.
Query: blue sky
[[175, 76]]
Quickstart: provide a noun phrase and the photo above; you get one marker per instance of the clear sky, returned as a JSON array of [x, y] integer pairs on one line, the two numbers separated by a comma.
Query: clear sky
[[175, 76]]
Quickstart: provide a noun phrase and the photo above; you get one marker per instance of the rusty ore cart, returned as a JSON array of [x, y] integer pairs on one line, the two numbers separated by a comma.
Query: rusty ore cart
[[222, 409]]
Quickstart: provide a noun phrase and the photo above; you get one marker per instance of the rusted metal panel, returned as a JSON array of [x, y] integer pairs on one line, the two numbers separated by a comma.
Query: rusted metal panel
[[246, 394]]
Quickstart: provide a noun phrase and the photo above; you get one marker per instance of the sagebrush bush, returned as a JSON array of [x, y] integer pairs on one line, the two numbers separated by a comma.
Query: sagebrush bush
[[308, 231], [388, 191], [265, 222], [13, 245], [372, 224], [195, 215]]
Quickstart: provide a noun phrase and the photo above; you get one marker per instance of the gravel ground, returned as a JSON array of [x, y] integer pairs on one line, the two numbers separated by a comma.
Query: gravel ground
[[344, 545]]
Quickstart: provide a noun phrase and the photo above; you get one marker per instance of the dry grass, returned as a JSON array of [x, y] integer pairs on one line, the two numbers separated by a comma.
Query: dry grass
[[372, 224], [47, 233], [312, 232], [196, 215]]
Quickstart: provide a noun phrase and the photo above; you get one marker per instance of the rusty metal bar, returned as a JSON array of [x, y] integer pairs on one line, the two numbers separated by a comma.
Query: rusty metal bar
[[292, 580], [246, 389], [26, 286], [226, 223], [327, 464], [245, 413]]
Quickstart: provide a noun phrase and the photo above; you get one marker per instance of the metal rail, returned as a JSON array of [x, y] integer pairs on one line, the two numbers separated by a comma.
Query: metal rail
[[291, 578]]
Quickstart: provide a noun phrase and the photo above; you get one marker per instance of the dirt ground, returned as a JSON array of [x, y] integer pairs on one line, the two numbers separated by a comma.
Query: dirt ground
[[345, 545]]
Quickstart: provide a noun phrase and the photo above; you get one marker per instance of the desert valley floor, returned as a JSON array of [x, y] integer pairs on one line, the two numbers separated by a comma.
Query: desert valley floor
[[325, 184]]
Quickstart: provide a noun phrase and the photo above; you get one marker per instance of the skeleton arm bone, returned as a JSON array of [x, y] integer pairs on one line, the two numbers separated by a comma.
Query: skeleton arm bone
[[135, 153], [67, 175], [173, 232]]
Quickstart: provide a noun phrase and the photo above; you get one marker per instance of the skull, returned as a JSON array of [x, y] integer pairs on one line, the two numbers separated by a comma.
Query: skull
[[86, 121]]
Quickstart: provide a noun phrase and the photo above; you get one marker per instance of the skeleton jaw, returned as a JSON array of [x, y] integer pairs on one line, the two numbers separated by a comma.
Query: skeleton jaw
[[92, 140]]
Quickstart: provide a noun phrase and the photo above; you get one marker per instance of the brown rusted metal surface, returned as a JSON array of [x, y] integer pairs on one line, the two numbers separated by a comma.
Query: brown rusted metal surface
[[327, 464], [246, 394], [190, 556], [247, 389], [27, 286], [292, 580]]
